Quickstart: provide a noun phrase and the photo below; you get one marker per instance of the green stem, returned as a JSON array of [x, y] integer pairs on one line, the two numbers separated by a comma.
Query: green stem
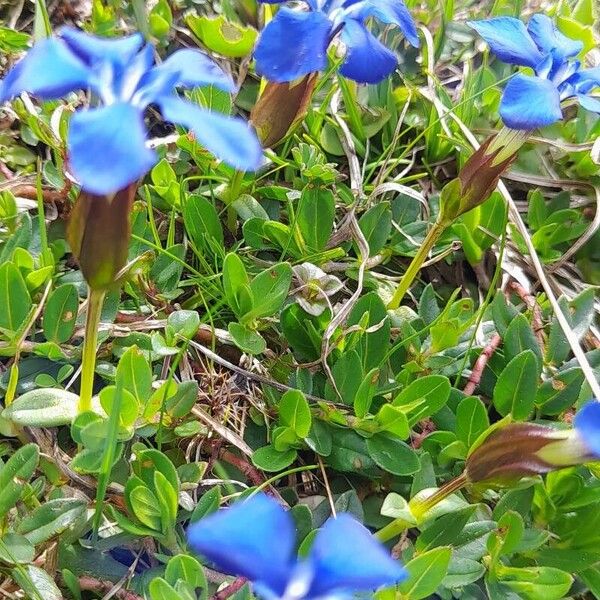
[[232, 194], [90, 343], [419, 509], [392, 530], [417, 262]]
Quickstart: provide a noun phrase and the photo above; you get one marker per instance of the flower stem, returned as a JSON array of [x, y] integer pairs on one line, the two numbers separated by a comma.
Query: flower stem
[[90, 342], [233, 193], [419, 509], [417, 262], [392, 530], [440, 494]]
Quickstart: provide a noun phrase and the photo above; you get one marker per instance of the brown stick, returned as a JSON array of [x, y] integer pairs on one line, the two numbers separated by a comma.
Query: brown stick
[[480, 363], [241, 464], [91, 584], [231, 589], [536, 312], [30, 192]]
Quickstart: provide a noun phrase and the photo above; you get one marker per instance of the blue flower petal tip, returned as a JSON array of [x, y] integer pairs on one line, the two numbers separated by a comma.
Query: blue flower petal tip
[[530, 102], [587, 425], [255, 539], [107, 144], [295, 43]]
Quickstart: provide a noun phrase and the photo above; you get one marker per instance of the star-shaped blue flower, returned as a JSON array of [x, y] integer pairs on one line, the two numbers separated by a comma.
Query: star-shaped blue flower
[[256, 539], [107, 143], [534, 101], [295, 42]]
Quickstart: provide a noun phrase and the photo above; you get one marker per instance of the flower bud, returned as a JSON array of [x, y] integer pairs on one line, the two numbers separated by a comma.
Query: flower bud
[[480, 174], [99, 231], [280, 107], [527, 449]]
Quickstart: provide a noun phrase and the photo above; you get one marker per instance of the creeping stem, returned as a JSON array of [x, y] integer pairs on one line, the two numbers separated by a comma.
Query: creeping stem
[[231, 195], [90, 342], [417, 262]]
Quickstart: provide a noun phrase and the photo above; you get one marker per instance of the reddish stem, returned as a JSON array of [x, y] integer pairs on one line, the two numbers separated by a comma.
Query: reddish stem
[[479, 365], [231, 589]]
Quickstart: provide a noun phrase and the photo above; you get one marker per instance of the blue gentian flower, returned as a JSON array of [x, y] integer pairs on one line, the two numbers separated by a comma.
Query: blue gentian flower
[[256, 539], [107, 143], [295, 42], [532, 101], [587, 426]]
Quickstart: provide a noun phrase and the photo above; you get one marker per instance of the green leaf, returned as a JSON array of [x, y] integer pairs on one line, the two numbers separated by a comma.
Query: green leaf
[[509, 534], [247, 340], [44, 407], [167, 501], [348, 375], [15, 473], [129, 407], [53, 518], [16, 549], [183, 401], [376, 225], [423, 397], [560, 391], [145, 507], [365, 392], [135, 374], [269, 291], [425, 573], [349, 452], [315, 216], [208, 504], [393, 420], [269, 459], [520, 337], [161, 590], [60, 313], [471, 420], [151, 460], [234, 278], [445, 530], [15, 302], [300, 331], [294, 412], [36, 583], [222, 36], [516, 387], [372, 347], [319, 438], [202, 222], [186, 568], [393, 455], [536, 583]]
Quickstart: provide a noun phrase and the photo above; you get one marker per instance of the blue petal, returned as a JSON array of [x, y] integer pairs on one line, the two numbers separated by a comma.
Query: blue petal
[[589, 103], [388, 11], [585, 80], [228, 138], [587, 424], [196, 69], [92, 49], [367, 59], [529, 103], [549, 39], [49, 70], [508, 40], [293, 44], [345, 556], [107, 148], [254, 539]]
